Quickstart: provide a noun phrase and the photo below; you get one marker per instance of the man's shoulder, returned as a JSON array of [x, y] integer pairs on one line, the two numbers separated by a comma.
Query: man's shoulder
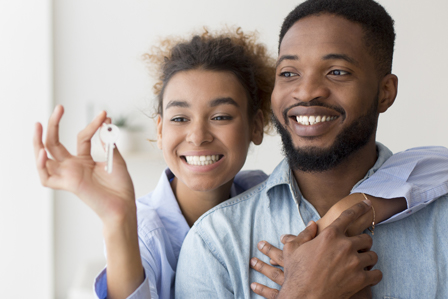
[[242, 202]]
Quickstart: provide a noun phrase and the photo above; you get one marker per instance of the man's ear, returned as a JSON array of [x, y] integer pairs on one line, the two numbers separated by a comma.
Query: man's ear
[[388, 92], [257, 129], [159, 131]]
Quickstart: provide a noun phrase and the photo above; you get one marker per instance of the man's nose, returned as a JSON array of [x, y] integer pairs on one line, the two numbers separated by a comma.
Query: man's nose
[[311, 87], [199, 133]]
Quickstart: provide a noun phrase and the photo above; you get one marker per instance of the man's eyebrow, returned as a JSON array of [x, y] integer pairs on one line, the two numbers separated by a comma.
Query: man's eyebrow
[[223, 101], [340, 56], [181, 104], [286, 57]]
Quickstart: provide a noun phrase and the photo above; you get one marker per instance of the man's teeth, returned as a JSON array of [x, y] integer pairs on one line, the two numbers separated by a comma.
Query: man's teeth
[[202, 160], [308, 120]]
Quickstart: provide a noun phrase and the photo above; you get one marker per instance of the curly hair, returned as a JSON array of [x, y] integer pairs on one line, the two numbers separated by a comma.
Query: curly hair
[[228, 50], [379, 34]]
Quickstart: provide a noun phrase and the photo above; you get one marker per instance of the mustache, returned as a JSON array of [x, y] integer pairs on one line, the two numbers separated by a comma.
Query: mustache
[[314, 102]]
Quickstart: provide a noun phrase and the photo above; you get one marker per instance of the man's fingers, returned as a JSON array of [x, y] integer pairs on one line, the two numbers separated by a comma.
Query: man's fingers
[[373, 277], [368, 259], [263, 290], [362, 242], [306, 235], [54, 147], [348, 216], [85, 136], [273, 273], [275, 254]]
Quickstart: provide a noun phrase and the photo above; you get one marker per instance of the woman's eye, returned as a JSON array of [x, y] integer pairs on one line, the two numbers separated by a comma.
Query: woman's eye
[[288, 74], [339, 72], [222, 117], [179, 119]]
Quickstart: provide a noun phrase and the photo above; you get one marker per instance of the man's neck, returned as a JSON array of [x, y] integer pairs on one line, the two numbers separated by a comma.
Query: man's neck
[[324, 189]]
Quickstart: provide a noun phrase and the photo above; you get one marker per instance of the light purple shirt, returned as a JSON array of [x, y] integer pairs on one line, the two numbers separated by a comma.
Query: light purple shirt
[[161, 230]]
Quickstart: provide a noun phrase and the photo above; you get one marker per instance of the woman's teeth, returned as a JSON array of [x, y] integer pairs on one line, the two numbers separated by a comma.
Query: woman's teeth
[[308, 120], [201, 160]]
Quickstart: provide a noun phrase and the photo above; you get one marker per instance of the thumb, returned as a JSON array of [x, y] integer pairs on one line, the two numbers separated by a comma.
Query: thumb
[[306, 235]]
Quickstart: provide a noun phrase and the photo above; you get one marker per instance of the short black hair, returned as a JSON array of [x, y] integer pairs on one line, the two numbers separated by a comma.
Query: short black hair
[[378, 25]]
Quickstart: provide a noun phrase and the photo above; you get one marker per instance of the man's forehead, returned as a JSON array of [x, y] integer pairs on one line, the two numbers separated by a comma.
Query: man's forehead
[[323, 30]]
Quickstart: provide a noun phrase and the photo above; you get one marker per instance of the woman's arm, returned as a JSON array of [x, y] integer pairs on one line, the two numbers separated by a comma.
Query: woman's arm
[[384, 209], [109, 195]]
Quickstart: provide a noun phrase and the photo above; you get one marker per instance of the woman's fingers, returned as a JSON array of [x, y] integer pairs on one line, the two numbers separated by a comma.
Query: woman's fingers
[[275, 254], [264, 291], [271, 272], [41, 164], [54, 147], [85, 136], [37, 140]]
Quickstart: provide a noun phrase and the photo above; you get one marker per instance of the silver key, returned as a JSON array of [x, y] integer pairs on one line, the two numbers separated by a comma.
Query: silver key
[[109, 135]]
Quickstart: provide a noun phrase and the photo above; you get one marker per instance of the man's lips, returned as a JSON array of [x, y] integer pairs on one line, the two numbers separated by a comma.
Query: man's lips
[[312, 121]]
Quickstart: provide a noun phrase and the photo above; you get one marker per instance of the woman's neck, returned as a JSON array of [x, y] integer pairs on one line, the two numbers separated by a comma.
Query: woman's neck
[[195, 203]]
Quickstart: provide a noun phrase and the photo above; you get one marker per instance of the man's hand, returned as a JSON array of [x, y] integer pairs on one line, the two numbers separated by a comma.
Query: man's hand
[[276, 256], [319, 267]]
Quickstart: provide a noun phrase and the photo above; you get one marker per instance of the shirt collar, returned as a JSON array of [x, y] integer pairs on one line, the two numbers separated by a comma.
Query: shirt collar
[[283, 175]]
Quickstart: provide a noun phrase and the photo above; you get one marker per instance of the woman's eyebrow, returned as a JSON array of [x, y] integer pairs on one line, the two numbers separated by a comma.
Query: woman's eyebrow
[[182, 104], [223, 101]]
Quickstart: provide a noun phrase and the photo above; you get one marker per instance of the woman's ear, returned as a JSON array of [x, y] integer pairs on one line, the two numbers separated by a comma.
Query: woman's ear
[[159, 131], [388, 92], [257, 129]]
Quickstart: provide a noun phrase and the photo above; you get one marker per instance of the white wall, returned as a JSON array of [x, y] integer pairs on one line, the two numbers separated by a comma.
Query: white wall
[[26, 212], [98, 45]]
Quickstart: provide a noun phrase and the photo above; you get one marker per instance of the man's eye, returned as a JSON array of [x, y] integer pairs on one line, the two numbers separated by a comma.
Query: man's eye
[[339, 72], [222, 117], [288, 74], [179, 119]]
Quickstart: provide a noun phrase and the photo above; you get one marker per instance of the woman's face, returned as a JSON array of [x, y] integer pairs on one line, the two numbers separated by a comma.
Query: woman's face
[[205, 131]]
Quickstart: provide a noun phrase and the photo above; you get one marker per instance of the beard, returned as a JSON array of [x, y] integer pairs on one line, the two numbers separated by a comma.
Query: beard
[[315, 159]]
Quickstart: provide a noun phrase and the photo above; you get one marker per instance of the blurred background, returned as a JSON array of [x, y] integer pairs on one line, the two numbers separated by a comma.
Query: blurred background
[[86, 55]]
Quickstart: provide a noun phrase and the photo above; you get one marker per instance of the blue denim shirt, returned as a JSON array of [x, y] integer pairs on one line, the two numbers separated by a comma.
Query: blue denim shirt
[[214, 259]]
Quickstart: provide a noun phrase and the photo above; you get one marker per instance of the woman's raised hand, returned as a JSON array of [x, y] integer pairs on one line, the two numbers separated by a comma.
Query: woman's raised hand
[[110, 195]]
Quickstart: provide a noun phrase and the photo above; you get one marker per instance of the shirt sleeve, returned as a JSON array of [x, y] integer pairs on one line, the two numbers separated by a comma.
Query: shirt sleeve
[[200, 274], [420, 175], [144, 291], [158, 273]]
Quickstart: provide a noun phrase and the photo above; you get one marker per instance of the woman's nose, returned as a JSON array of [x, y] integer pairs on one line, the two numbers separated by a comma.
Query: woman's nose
[[199, 133]]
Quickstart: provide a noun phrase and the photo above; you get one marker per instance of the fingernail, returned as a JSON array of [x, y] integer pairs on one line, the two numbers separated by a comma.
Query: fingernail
[[253, 286], [281, 237], [261, 245], [367, 202], [253, 261], [309, 223]]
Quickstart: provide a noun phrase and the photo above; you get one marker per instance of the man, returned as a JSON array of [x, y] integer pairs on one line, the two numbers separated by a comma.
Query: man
[[335, 59]]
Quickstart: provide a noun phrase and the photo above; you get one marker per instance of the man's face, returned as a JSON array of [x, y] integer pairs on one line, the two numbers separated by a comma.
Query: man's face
[[326, 92]]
